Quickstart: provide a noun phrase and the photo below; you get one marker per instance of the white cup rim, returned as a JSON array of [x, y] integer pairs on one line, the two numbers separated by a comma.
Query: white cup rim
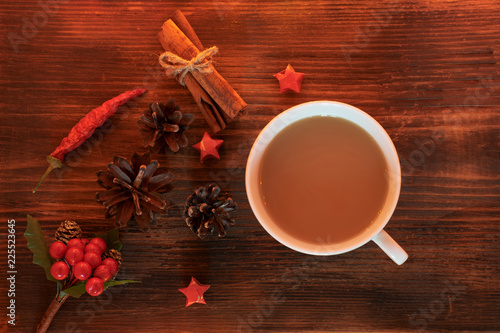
[[322, 108]]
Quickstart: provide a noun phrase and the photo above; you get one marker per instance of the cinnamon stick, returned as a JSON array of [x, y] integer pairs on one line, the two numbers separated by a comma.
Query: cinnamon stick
[[217, 100], [208, 107], [182, 23], [201, 97]]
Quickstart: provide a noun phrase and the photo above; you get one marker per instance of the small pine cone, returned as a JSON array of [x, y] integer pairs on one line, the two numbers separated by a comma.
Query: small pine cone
[[162, 127], [68, 230], [113, 254], [207, 210]]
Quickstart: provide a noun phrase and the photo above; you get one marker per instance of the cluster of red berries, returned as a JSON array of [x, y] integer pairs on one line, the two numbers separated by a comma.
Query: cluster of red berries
[[80, 260]]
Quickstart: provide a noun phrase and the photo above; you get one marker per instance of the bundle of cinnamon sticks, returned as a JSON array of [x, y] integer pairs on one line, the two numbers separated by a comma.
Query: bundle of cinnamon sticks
[[217, 100]]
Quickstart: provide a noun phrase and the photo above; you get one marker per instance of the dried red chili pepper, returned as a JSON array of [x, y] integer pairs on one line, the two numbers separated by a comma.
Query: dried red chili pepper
[[85, 128]]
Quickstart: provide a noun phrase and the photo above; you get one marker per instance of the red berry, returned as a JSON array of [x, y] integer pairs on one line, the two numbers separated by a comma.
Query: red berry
[[82, 270], [90, 247], [57, 250], [76, 242], [112, 264], [103, 272], [85, 241], [94, 286], [99, 242], [93, 258], [59, 270], [73, 256]]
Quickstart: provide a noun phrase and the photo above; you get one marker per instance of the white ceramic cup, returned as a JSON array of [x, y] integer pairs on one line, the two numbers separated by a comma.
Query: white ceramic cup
[[375, 231]]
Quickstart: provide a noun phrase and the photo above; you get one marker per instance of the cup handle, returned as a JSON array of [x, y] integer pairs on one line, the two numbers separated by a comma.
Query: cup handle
[[390, 247]]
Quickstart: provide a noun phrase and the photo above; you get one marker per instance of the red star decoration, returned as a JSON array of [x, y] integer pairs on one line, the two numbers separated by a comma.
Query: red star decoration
[[194, 292], [289, 79], [208, 147]]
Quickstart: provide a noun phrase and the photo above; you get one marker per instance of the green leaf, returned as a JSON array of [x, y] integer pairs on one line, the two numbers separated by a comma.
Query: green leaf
[[118, 282], [79, 289], [75, 291], [112, 239], [37, 245]]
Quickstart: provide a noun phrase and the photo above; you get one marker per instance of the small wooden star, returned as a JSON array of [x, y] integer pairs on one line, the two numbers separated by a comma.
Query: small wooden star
[[289, 79], [208, 147], [194, 292]]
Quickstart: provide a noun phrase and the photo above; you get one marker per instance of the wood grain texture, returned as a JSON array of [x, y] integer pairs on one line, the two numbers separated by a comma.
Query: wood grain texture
[[426, 70]]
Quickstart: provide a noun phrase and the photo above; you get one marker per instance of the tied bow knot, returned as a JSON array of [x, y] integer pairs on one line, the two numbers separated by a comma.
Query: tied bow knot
[[177, 66]]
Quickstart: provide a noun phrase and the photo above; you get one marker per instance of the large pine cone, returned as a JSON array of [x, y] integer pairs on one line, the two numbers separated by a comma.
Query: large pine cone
[[162, 126], [134, 189], [207, 209], [67, 230]]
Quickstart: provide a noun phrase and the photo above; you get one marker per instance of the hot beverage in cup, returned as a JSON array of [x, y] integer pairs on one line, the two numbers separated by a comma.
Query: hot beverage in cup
[[324, 178]]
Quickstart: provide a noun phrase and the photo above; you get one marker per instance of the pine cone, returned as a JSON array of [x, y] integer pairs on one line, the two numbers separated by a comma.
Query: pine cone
[[207, 209], [162, 126], [67, 230], [134, 189], [113, 254]]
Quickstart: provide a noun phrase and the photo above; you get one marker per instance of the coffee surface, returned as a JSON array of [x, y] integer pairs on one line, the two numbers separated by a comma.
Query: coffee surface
[[323, 180]]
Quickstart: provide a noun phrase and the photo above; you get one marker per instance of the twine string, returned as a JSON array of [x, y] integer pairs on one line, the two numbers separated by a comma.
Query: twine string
[[176, 66]]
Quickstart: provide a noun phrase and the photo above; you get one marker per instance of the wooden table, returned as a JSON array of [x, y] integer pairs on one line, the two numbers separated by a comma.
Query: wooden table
[[426, 70]]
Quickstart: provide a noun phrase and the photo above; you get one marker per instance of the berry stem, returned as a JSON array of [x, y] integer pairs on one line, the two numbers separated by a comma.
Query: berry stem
[[51, 311], [71, 277], [73, 280]]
